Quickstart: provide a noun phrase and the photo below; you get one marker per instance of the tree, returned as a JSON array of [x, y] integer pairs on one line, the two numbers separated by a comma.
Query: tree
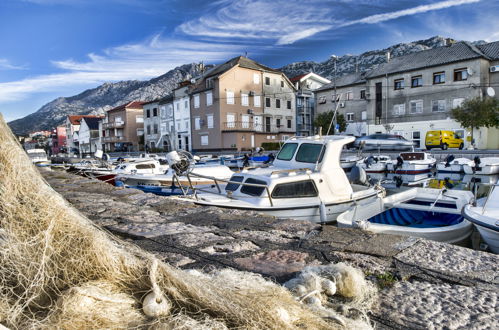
[[476, 113], [324, 120]]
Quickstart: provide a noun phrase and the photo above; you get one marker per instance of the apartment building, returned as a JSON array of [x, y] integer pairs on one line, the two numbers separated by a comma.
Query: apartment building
[[350, 91], [305, 85], [239, 105], [58, 144], [412, 94], [152, 124], [182, 117], [88, 136], [72, 132], [123, 126]]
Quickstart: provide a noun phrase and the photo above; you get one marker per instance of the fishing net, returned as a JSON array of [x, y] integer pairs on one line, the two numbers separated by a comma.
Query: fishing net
[[59, 270]]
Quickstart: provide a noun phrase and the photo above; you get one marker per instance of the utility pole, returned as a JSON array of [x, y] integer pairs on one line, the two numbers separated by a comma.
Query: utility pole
[[335, 58]]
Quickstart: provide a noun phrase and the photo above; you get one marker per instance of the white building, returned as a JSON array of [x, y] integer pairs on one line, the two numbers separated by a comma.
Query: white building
[[88, 136], [152, 122], [182, 117]]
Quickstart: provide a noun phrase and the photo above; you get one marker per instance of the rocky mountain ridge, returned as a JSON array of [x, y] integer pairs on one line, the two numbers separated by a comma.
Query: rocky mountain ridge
[[109, 95]]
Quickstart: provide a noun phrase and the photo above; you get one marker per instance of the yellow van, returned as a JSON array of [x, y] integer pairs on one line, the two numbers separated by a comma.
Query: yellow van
[[443, 139]]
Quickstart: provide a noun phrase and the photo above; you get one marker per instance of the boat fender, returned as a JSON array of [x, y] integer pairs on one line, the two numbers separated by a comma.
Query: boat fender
[[323, 212], [448, 160]]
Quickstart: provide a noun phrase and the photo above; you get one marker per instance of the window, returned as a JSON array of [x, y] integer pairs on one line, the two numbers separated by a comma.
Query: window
[[399, 109], [245, 119], [162, 111], [148, 113], [155, 112], [310, 152], [251, 190], [289, 123], [288, 104], [267, 81], [155, 130], [186, 124], [234, 186], [230, 97], [438, 78], [148, 129], [417, 81], [349, 96], [277, 103], [363, 115], [399, 84], [244, 99], [416, 139], [416, 106], [350, 116], [197, 123], [438, 105], [282, 83], [457, 102], [363, 94], [204, 140], [322, 99], [287, 151], [178, 126], [144, 166], [267, 102], [231, 120], [460, 74], [278, 122], [256, 78], [196, 101], [256, 101], [209, 121], [209, 98], [295, 190], [139, 119], [186, 104]]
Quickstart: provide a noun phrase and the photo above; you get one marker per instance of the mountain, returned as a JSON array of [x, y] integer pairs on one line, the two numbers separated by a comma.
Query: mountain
[[109, 95], [104, 97]]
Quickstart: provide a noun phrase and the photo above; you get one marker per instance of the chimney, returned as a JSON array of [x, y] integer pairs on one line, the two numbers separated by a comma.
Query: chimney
[[387, 57]]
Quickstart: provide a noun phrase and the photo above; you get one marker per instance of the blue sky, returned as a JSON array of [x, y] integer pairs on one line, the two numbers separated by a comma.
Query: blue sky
[[52, 48]]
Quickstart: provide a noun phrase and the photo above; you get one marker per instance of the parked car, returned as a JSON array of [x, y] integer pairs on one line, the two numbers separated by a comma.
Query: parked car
[[443, 139], [383, 142]]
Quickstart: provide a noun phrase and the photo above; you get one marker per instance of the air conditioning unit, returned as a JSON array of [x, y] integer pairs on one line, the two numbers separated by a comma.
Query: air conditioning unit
[[342, 104], [494, 68], [251, 93], [250, 111]]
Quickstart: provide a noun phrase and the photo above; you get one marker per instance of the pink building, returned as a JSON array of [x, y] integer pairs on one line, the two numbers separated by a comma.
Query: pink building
[[59, 140]]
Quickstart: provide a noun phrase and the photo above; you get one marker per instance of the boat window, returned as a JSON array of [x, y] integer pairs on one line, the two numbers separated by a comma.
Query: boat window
[[144, 166], [309, 153], [253, 191], [233, 186], [295, 190], [287, 151]]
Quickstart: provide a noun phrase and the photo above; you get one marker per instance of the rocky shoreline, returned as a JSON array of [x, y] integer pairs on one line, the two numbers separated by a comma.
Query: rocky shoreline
[[423, 284]]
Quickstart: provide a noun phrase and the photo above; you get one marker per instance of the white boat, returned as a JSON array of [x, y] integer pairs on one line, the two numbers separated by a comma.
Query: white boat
[[415, 162], [486, 165], [407, 180], [37, 156], [348, 162], [485, 216], [433, 214], [480, 178], [453, 165], [168, 184], [375, 164], [305, 182]]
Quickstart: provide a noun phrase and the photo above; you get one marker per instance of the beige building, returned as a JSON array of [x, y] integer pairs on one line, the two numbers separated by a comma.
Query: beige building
[[123, 126], [239, 105]]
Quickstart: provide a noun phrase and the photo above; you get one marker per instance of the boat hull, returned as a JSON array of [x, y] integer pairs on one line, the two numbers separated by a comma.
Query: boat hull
[[488, 227], [486, 170]]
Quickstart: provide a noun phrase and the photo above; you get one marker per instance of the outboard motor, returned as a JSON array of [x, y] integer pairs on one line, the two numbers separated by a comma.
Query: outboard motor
[[179, 162], [448, 160], [270, 160], [477, 162], [369, 161], [400, 161], [448, 184], [120, 159], [358, 176], [246, 159], [398, 181]]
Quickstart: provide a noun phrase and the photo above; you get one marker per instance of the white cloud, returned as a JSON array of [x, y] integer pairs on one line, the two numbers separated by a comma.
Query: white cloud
[[6, 65], [286, 22], [127, 62]]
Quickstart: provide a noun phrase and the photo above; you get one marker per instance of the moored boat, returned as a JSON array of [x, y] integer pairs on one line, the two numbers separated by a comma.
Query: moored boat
[[415, 162], [453, 165], [486, 166]]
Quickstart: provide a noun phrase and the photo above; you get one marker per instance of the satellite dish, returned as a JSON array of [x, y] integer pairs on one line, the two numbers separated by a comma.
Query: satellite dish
[[491, 92], [470, 71]]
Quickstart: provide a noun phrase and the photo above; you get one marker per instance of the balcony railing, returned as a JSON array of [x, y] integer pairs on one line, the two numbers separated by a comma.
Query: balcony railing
[[113, 139], [252, 127], [114, 124]]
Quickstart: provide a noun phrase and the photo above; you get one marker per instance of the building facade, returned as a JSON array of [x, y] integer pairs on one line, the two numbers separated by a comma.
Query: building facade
[[152, 122], [239, 105], [88, 136], [306, 85], [58, 144], [72, 133], [123, 127], [182, 117]]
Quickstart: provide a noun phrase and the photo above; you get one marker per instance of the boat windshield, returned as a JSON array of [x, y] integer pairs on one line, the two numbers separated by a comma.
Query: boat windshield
[[310, 152], [287, 151]]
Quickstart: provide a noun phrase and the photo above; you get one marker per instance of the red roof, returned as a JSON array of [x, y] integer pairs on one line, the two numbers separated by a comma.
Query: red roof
[[132, 105], [76, 119], [297, 78]]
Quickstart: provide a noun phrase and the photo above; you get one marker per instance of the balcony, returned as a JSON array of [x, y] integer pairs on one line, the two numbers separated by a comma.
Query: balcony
[[114, 139], [253, 127], [114, 124]]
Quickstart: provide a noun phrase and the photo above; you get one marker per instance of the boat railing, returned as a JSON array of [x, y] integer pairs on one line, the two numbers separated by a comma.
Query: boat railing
[[217, 181], [305, 169]]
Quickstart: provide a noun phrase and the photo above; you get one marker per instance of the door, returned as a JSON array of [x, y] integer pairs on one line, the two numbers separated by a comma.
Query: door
[[257, 121], [267, 124], [252, 141], [245, 121], [416, 139], [231, 121], [379, 104]]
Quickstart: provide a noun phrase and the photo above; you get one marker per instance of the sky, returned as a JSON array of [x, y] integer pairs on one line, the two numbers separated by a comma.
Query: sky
[[53, 48]]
